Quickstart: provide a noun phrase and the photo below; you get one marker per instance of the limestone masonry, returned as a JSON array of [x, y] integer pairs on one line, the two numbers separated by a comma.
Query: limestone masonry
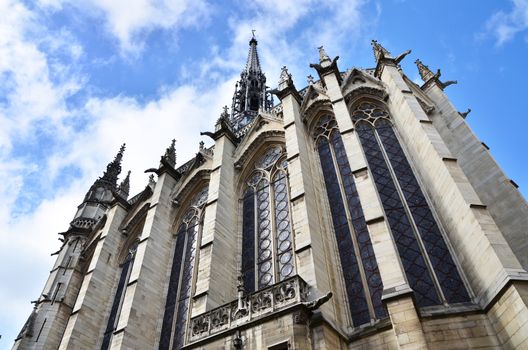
[[360, 212]]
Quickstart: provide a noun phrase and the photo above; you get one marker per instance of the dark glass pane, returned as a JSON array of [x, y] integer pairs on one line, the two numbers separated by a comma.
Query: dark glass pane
[[186, 286], [283, 239], [248, 241], [118, 298], [170, 304], [412, 259], [354, 287], [370, 265], [443, 264]]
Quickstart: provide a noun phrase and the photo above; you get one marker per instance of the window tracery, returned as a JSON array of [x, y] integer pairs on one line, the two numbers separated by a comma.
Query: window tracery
[[429, 267], [182, 273], [267, 247], [363, 283]]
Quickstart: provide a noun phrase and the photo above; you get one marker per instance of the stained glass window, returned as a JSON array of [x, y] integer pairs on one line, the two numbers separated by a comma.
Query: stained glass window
[[360, 269], [428, 264], [267, 246], [118, 297], [182, 271]]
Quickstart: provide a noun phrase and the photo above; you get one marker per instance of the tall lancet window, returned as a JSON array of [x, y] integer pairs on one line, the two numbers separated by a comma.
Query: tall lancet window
[[267, 246], [363, 283], [126, 267], [181, 277], [429, 267]]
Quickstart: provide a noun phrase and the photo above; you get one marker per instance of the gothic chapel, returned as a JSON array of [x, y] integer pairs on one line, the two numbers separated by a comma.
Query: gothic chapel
[[360, 212]]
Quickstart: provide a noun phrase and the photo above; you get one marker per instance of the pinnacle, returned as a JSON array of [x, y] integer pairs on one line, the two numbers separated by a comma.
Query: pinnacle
[[424, 71], [379, 51], [124, 187], [113, 169], [323, 56], [170, 153]]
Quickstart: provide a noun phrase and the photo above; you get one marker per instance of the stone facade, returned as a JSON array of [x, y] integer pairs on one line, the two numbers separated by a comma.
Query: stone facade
[[360, 212]]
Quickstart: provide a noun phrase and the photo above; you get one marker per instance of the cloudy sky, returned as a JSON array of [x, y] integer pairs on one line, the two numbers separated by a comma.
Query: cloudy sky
[[78, 78]]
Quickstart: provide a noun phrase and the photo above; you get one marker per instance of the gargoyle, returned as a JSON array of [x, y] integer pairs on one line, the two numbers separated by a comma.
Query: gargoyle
[[402, 56], [315, 304], [465, 114], [447, 83]]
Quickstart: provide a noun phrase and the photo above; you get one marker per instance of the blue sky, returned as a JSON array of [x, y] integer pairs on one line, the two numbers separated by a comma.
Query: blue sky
[[76, 81]]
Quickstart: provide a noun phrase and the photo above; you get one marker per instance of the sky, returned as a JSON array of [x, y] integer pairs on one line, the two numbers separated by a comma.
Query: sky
[[79, 78]]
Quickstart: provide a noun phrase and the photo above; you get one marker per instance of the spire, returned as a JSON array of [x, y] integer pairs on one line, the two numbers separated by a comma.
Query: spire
[[124, 186], [100, 194], [170, 154], [253, 62], [113, 169], [251, 94]]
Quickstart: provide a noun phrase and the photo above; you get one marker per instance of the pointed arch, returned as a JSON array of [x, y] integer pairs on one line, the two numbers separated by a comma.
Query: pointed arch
[[429, 267], [267, 242], [132, 228], [183, 269], [361, 275]]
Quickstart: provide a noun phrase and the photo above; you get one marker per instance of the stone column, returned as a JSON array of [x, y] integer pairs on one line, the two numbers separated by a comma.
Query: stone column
[[217, 270], [406, 323], [311, 253]]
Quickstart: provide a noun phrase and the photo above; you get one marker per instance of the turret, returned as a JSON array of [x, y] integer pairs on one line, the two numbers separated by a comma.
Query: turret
[[100, 195], [47, 322]]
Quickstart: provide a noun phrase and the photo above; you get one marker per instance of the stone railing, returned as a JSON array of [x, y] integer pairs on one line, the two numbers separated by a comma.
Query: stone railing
[[250, 307], [83, 222]]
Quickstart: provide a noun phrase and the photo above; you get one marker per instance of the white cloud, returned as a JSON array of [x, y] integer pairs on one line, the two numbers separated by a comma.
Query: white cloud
[[129, 21], [505, 25]]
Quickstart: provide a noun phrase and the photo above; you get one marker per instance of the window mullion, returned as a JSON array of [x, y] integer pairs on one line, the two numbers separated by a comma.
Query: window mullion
[[198, 236], [410, 217], [352, 231], [274, 247], [256, 239]]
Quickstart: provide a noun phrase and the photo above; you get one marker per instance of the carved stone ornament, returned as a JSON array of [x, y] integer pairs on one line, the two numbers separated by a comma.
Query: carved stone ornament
[[365, 91]]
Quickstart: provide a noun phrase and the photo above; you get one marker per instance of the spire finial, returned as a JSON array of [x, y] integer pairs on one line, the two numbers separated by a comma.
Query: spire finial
[[124, 186], [170, 153], [310, 80], [253, 33], [113, 169], [323, 57]]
